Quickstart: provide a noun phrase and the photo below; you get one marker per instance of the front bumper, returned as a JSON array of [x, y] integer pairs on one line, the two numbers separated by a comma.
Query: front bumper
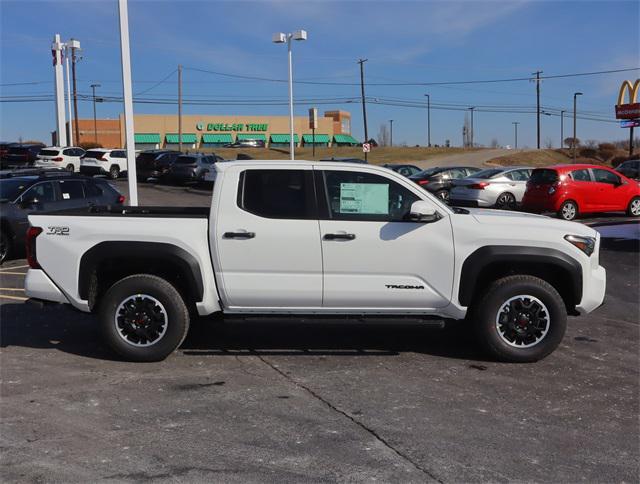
[[593, 290], [37, 285]]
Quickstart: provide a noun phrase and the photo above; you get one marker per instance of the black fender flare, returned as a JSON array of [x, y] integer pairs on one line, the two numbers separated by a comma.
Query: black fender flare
[[492, 254], [186, 263]]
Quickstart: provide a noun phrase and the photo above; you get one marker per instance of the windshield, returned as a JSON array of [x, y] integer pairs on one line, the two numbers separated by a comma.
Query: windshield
[[11, 189], [49, 152], [543, 176], [488, 173]]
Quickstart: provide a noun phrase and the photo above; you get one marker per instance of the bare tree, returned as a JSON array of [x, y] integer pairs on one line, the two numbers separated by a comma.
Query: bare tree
[[383, 135], [591, 143]]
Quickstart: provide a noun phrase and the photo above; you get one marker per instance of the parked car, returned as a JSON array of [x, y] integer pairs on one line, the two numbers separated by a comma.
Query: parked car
[[405, 170], [494, 187], [439, 180], [100, 161], [190, 168], [246, 143], [60, 157], [21, 155], [571, 190], [154, 163], [34, 191], [4, 148], [345, 160], [630, 169], [317, 238]]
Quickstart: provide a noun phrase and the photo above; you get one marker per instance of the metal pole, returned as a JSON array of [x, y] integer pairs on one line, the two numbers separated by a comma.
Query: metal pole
[[562, 129], [95, 121], [75, 94], [631, 141], [515, 124], [391, 132], [180, 108], [313, 136], [575, 139], [537, 73], [471, 109], [70, 137], [291, 141], [56, 50], [364, 106], [428, 120], [128, 101]]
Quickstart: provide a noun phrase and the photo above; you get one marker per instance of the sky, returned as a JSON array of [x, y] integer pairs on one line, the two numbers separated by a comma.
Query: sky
[[415, 42]]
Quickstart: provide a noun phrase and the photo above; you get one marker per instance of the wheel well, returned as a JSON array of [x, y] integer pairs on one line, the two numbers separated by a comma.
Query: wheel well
[[5, 226]]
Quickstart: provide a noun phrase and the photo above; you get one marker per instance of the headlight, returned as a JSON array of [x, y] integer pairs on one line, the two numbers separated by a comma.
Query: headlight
[[585, 244]]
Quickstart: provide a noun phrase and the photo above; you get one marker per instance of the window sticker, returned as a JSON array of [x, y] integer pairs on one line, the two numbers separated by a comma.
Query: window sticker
[[66, 196], [364, 198]]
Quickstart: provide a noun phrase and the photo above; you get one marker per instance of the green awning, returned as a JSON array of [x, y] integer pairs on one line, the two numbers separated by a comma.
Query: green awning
[[189, 138], [319, 138], [256, 136], [284, 138], [345, 139], [147, 138], [217, 138]]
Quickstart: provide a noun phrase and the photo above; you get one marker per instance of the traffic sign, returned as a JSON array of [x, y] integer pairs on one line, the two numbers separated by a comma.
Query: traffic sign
[[366, 147], [630, 123]]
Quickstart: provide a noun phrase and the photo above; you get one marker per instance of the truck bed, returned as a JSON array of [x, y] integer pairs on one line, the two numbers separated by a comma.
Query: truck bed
[[125, 211]]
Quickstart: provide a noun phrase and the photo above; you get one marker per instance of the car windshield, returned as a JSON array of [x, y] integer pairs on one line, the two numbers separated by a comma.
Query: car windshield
[[430, 171], [50, 152], [543, 176], [488, 173], [187, 160], [11, 189]]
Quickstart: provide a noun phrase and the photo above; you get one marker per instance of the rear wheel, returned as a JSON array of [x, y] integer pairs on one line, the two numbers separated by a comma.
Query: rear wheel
[[71, 168], [443, 195], [633, 210], [143, 318], [5, 246], [520, 319], [506, 201], [568, 210], [114, 172]]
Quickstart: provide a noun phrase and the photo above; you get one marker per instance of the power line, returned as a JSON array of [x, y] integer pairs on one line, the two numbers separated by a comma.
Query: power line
[[157, 83]]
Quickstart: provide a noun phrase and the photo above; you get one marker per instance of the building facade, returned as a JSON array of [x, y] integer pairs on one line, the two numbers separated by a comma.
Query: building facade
[[154, 131]]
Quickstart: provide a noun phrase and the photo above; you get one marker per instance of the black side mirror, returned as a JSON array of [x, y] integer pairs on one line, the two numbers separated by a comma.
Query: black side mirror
[[29, 203]]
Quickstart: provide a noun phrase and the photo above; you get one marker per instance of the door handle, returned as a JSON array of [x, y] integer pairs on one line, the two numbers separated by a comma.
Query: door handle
[[339, 236], [239, 235]]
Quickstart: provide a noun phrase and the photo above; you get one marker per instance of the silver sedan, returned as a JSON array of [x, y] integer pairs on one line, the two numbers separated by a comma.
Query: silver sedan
[[493, 187]]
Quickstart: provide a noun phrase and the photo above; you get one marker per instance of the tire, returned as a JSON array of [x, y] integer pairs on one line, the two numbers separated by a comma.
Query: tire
[[568, 210], [506, 201], [633, 209], [443, 195], [509, 339], [114, 172], [5, 246], [71, 168], [143, 296]]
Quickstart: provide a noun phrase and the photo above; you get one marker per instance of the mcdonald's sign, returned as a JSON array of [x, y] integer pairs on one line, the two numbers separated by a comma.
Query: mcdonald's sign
[[630, 110]]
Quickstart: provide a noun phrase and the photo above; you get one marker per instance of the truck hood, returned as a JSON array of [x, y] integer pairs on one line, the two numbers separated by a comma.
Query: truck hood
[[529, 221]]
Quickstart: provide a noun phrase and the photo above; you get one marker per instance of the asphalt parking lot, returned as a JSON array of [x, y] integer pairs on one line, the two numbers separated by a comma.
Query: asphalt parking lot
[[285, 401]]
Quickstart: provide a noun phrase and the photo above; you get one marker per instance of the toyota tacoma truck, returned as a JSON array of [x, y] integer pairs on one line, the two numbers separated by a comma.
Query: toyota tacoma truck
[[306, 239]]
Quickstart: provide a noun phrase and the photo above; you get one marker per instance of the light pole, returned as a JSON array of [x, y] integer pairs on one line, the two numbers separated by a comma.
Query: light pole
[[471, 109], [428, 120], [281, 38], [66, 60], [95, 121], [515, 124], [391, 132], [562, 129], [575, 96]]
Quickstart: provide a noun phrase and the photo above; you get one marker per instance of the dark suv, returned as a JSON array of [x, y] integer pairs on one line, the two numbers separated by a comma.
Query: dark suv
[[21, 155], [191, 168], [439, 180], [26, 191], [630, 169], [4, 148], [154, 163]]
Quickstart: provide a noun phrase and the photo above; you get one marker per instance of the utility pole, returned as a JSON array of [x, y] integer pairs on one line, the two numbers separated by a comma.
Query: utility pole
[[56, 50], [515, 124], [66, 60], [562, 129], [364, 106], [95, 121], [631, 141], [575, 140], [471, 109], [391, 132], [180, 108], [75, 45], [428, 120], [537, 81]]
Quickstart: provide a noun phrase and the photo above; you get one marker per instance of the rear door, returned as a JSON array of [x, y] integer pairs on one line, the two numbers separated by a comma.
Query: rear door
[[374, 257], [267, 240], [583, 190]]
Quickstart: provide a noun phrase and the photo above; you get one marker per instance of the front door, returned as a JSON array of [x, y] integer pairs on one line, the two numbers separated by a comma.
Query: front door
[[374, 258], [608, 190], [266, 232]]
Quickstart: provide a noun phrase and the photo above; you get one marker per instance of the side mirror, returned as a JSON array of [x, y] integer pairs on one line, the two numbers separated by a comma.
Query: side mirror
[[423, 212], [29, 203]]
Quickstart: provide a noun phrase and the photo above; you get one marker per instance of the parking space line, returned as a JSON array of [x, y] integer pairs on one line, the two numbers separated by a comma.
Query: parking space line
[[14, 298], [13, 273], [15, 267], [11, 289]]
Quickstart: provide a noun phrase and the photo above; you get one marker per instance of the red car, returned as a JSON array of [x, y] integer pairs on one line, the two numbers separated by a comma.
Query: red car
[[570, 190]]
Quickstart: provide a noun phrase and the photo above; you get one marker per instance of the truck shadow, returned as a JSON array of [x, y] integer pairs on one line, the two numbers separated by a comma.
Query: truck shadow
[[72, 332]]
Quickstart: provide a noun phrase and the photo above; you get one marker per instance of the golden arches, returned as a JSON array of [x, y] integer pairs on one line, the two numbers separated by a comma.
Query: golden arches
[[633, 92]]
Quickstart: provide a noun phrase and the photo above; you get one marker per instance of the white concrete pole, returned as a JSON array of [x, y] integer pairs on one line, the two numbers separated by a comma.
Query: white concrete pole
[[291, 140], [56, 50], [66, 61], [128, 101]]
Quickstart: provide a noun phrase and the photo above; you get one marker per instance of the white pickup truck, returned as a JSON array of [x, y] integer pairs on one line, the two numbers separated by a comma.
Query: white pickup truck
[[323, 239]]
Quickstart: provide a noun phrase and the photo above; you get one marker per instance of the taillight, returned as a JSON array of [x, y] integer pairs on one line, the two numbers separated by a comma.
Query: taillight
[[121, 199], [30, 246], [423, 182], [57, 158], [479, 186]]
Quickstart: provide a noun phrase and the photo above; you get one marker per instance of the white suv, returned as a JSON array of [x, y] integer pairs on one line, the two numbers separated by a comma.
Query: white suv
[[60, 157], [100, 161]]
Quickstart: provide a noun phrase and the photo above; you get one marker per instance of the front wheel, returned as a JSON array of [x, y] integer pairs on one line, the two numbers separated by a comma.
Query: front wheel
[[114, 172], [143, 318], [633, 210], [520, 319], [568, 210], [443, 195]]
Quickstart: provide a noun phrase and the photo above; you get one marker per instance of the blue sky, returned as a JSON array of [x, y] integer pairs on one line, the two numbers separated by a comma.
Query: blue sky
[[414, 42]]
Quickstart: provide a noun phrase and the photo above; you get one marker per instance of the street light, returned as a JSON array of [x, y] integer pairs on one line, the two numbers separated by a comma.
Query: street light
[[95, 122], [428, 120], [515, 124], [562, 129], [471, 109], [575, 96], [281, 38], [391, 131]]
